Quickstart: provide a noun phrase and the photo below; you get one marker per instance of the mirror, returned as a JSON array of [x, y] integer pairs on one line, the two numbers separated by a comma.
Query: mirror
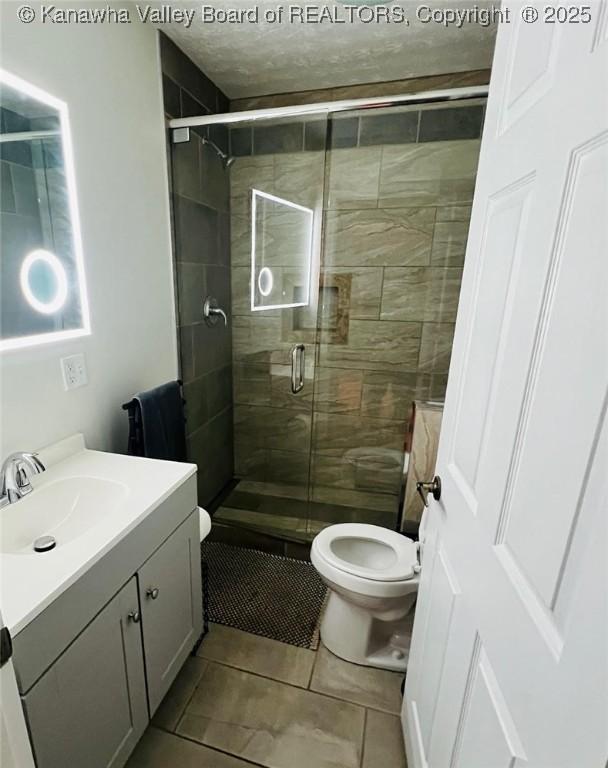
[[281, 252], [42, 286]]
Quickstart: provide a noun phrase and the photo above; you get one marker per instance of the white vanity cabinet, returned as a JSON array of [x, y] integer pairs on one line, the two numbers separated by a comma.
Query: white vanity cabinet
[[90, 707], [90, 703], [171, 602]]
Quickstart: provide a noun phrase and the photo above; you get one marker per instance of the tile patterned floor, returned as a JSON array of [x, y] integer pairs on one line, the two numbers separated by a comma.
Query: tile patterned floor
[[249, 701]]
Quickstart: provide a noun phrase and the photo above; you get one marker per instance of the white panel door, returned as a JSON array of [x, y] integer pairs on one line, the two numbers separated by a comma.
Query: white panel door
[[509, 658]]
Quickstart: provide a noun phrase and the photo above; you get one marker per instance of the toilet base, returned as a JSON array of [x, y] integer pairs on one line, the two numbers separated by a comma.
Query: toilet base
[[359, 636]]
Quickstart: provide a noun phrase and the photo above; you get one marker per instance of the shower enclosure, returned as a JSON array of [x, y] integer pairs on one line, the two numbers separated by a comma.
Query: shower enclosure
[[347, 240]]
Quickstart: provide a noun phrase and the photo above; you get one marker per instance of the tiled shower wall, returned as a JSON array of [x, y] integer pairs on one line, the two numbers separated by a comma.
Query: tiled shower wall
[[398, 192], [200, 197], [395, 234]]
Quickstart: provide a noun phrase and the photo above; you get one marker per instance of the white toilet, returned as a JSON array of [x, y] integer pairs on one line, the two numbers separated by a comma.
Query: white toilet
[[373, 576]]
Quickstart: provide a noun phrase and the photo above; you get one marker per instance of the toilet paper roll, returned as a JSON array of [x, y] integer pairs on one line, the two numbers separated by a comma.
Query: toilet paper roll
[[205, 522]]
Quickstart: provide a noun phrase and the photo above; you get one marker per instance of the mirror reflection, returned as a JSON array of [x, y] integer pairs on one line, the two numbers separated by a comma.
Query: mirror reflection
[[41, 280], [281, 252]]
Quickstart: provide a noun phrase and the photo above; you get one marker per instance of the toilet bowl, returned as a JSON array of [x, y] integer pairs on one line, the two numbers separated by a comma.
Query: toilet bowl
[[373, 575]]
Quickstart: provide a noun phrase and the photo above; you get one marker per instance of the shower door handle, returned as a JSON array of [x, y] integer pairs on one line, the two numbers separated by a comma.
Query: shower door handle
[[297, 368]]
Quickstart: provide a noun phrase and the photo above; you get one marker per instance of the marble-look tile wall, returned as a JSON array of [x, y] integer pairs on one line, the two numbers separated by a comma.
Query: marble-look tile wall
[[201, 228], [396, 220], [395, 227], [421, 446]]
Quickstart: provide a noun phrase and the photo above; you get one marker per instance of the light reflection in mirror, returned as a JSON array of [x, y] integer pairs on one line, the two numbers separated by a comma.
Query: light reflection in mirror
[[43, 281], [281, 252]]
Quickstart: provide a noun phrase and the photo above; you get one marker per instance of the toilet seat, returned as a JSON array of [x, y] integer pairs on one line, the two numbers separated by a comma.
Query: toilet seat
[[368, 551]]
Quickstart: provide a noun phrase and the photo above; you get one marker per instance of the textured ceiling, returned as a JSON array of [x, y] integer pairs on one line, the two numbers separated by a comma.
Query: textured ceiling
[[254, 59]]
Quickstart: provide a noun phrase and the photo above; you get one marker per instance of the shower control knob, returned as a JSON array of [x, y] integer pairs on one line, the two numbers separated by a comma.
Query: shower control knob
[[211, 312], [152, 592], [433, 487]]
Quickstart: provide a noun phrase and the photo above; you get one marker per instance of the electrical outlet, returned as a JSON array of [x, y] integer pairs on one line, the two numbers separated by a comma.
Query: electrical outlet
[[74, 371]]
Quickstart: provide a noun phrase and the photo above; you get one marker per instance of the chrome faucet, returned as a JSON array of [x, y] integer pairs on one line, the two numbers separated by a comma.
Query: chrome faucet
[[15, 476]]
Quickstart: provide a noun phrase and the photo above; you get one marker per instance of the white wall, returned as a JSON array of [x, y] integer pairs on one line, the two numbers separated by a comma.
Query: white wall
[[109, 75]]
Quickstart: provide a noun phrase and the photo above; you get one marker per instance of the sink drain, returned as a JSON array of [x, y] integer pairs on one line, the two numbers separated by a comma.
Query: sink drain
[[45, 543]]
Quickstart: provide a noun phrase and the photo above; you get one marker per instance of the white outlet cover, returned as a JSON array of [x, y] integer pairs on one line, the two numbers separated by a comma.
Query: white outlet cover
[[74, 371]]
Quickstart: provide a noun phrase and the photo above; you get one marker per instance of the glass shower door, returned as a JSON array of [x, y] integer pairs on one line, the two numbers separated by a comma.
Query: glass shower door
[[399, 185], [276, 191]]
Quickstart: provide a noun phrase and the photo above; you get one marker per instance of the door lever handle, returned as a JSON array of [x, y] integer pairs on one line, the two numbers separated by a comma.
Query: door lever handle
[[433, 487]]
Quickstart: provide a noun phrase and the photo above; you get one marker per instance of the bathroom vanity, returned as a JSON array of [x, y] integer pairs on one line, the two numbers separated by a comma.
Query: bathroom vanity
[[102, 623]]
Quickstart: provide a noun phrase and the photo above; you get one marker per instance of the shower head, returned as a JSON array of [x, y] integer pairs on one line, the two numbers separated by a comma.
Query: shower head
[[226, 159]]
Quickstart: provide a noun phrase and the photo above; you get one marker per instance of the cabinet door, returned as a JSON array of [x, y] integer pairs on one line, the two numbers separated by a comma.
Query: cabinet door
[[89, 709], [171, 605]]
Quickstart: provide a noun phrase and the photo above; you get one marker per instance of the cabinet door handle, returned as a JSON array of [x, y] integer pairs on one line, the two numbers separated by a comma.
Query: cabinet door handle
[[134, 617], [152, 592]]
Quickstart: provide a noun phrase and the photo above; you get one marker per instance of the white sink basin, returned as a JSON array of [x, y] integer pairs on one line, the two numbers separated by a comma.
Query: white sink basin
[[64, 509], [88, 501]]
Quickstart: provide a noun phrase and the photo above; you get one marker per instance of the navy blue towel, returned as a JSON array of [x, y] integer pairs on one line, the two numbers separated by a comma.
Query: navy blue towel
[[163, 422]]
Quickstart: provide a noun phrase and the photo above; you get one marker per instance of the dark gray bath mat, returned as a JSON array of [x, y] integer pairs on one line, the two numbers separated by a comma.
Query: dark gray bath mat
[[268, 595]]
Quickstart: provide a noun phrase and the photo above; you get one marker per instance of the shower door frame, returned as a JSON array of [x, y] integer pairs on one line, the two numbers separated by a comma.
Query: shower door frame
[[180, 126]]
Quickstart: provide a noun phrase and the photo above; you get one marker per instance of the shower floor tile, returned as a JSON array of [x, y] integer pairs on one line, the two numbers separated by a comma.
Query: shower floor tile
[[292, 518]]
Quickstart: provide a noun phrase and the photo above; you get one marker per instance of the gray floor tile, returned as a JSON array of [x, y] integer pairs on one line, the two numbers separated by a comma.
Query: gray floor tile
[[271, 723], [383, 744], [158, 749], [261, 655], [375, 688], [172, 706]]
